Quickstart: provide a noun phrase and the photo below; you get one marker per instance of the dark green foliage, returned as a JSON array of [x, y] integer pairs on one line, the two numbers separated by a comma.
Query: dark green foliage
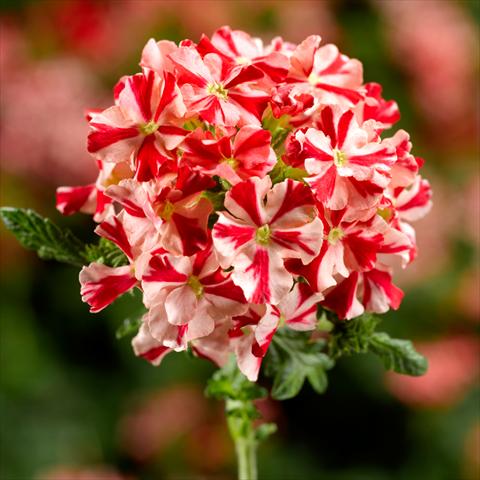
[[359, 336], [398, 355], [105, 252], [128, 327], [294, 357], [52, 242], [229, 383], [37, 233]]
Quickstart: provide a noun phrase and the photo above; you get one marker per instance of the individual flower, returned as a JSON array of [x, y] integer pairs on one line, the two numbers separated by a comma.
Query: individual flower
[[347, 162], [136, 237], [235, 156], [261, 227], [187, 296], [241, 49], [350, 245], [175, 207], [375, 107], [142, 128], [219, 92], [331, 77]]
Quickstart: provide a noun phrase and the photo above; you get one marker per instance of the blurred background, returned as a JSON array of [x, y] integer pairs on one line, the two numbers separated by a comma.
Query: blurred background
[[75, 403]]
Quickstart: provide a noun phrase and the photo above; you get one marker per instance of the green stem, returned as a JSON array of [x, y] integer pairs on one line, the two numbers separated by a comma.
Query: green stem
[[242, 432]]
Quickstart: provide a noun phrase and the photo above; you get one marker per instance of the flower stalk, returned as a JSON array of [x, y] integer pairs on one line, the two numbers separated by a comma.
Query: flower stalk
[[242, 431]]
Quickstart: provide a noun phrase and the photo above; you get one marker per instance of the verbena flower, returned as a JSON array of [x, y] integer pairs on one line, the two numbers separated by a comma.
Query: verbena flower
[[247, 185]]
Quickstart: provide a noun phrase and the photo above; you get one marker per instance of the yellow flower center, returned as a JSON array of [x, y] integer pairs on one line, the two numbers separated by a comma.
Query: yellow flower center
[[232, 162], [340, 158], [385, 213], [195, 284], [243, 61], [166, 211], [218, 90], [335, 235], [262, 235], [313, 79], [149, 128]]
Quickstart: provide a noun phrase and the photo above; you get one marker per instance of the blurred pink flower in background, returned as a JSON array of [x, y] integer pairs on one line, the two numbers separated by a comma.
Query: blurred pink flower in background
[[454, 366], [82, 473], [160, 418], [436, 43], [42, 110]]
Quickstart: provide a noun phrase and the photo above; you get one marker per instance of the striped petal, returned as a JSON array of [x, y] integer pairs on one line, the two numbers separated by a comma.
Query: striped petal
[[147, 347], [76, 199], [261, 275], [379, 293], [101, 285], [299, 308], [113, 137], [343, 300]]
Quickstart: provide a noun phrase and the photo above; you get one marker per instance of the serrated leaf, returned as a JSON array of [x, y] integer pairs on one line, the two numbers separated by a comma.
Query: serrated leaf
[[318, 378], [293, 357], [105, 252], [352, 336], [398, 355], [41, 234], [288, 380], [128, 327]]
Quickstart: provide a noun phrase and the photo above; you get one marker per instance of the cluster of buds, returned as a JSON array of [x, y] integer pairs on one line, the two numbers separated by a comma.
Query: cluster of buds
[[249, 186]]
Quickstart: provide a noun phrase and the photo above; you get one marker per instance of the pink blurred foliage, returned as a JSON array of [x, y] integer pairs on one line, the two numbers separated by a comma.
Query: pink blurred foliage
[[436, 43], [42, 109], [454, 366]]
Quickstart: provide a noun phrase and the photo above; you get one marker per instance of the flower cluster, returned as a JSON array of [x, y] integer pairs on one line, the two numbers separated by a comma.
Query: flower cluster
[[249, 186]]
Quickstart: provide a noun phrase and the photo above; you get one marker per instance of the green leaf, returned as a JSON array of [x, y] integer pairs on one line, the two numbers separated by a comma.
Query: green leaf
[[281, 171], [128, 327], [294, 357], [359, 336], [229, 383], [398, 355], [216, 198], [52, 242], [105, 252], [37, 233], [352, 336], [288, 381], [264, 430], [318, 378]]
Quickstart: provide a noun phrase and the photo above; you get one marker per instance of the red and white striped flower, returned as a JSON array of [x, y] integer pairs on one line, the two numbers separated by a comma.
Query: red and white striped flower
[[235, 156], [241, 49], [136, 237], [347, 162], [187, 296], [219, 92], [224, 254], [175, 207], [261, 227], [372, 291], [331, 77], [142, 128]]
